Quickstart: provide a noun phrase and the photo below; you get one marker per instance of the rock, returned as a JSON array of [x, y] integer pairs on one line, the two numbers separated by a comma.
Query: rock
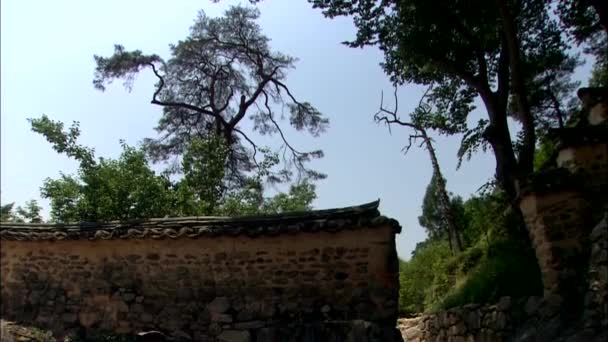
[[128, 297], [122, 307], [138, 308], [221, 318], [532, 305], [180, 335], [551, 305], [184, 293], [151, 336], [457, 329], [244, 315], [69, 317], [248, 325], [504, 304], [413, 333], [219, 305], [234, 336], [472, 320], [146, 317], [215, 329]]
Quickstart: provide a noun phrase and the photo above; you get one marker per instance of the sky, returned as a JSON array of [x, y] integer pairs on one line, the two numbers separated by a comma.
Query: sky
[[47, 67]]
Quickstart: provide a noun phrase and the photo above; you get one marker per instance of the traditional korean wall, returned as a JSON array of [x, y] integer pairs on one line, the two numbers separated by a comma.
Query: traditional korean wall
[[224, 288]]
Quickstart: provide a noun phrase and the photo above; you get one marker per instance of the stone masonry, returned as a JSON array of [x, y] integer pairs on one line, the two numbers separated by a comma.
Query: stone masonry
[[321, 274]]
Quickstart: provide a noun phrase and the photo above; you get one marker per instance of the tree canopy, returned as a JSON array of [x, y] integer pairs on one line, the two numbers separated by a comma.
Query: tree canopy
[[512, 55], [223, 72]]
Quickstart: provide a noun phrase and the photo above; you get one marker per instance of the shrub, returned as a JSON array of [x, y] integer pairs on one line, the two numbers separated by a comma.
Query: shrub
[[509, 268], [420, 278]]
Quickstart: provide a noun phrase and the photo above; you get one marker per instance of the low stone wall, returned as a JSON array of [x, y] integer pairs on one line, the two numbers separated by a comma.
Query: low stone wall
[[530, 319], [525, 319], [274, 286], [471, 322]]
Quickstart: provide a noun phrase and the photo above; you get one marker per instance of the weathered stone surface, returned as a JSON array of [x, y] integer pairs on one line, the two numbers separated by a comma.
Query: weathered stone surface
[[234, 336], [177, 276], [249, 325], [219, 305], [221, 318], [69, 317]]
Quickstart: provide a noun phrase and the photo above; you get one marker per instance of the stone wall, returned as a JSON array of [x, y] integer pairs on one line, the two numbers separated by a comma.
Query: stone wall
[[562, 204], [524, 319], [596, 299], [226, 288], [558, 225], [472, 323]]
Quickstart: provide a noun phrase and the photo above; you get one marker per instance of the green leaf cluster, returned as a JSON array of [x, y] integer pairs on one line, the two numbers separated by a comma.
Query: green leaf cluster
[[127, 188]]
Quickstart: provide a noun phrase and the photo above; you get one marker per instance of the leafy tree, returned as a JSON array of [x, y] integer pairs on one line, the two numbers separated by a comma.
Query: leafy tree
[[64, 141], [299, 198], [104, 189], [434, 220], [223, 72], [421, 278], [120, 189], [64, 194], [468, 49], [201, 190], [30, 213], [6, 212], [127, 188]]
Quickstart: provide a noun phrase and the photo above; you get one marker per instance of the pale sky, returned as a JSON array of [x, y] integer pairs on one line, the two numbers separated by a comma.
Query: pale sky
[[47, 66]]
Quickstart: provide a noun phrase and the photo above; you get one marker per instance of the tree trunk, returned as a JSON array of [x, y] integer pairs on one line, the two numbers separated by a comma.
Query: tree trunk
[[444, 199], [498, 136], [526, 155], [507, 170]]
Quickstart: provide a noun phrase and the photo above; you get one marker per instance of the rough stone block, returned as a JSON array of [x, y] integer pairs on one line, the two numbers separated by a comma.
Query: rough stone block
[[219, 305], [234, 336]]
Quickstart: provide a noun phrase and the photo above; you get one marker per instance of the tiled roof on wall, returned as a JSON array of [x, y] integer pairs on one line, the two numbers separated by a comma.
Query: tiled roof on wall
[[329, 220]]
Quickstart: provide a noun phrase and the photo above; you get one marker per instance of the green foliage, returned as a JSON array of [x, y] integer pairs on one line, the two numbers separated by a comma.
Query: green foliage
[[599, 74], [6, 212], [63, 141], [421, 279], [121, 189], [545, 153], [299, 198], [202, 187], [433, 218], [127, 188], [508, 269], [30, 213], [490, 267], [489, 217]]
